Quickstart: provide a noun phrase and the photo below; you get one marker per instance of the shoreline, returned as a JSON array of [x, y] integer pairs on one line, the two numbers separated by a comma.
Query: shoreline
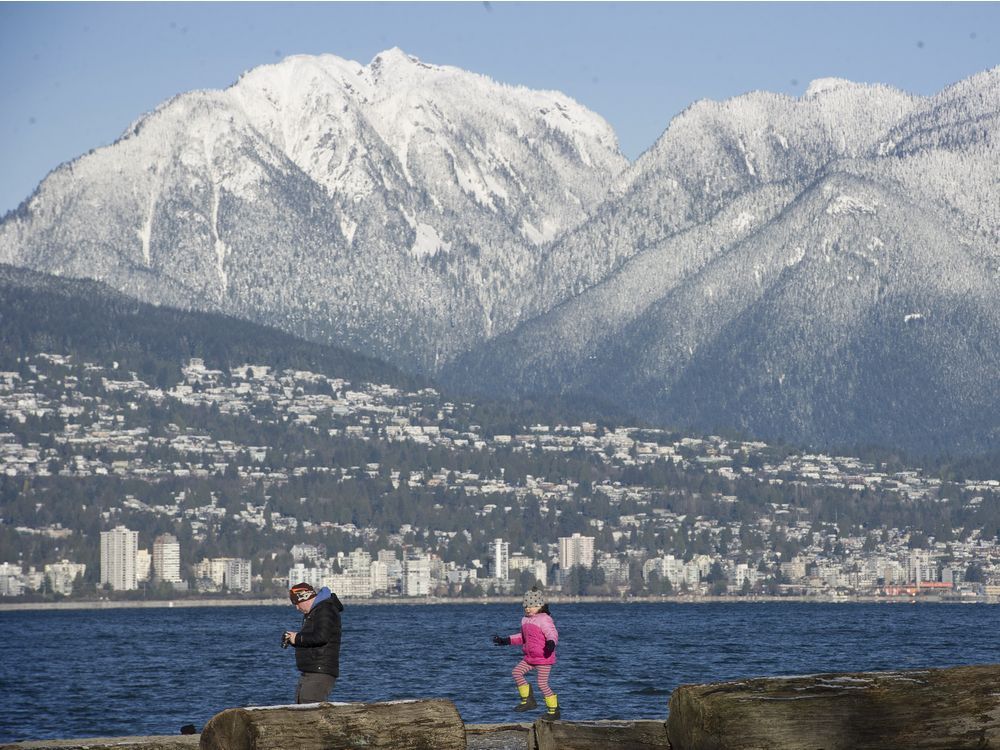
[[433, 601]]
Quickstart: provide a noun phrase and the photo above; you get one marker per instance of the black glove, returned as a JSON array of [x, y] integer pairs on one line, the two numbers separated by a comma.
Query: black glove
[[501, 640], [550, 646]]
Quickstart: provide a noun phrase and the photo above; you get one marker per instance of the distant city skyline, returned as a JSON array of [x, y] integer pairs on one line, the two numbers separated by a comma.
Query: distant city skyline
[[78, 74]]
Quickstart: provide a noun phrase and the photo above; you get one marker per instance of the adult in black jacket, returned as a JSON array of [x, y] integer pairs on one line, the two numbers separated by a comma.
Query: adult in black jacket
[[317, 644]]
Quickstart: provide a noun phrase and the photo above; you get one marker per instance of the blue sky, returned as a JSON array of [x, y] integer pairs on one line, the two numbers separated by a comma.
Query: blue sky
[[75, 75]]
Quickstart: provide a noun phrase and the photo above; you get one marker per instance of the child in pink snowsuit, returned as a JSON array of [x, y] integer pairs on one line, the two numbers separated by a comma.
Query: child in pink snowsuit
[[538, 639]]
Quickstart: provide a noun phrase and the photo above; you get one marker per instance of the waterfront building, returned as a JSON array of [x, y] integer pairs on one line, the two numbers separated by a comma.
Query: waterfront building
[[666, 568], [794, 569], [167, 559], [615, 570], [217, 573], [741, 575], [500, 555], [920, 567], [417, 575], [354, 576], [236, 574], [379, 577], [10, 579], [119, 548], [393, 567], [358, 560], [143, 564], [62, 574], [299, 573], [352, 584], [34, 579], [538, 568], [575, 550]]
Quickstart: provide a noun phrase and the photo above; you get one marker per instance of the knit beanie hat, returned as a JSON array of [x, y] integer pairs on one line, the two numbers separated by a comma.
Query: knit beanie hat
[[533, 598], [301, 592]]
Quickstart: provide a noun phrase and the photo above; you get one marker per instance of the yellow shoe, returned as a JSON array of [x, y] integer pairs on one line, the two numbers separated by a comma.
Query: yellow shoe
[[528, 701], [552, 704]]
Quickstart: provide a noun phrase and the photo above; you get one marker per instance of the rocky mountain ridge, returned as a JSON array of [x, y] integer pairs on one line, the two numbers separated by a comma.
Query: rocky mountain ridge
[[821, 270], [396, 208]]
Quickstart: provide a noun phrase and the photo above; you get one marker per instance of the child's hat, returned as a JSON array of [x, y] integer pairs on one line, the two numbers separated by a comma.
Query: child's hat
[[533, 598]]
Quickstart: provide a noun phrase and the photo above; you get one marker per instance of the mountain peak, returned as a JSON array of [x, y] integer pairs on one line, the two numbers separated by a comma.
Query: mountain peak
[[822, 86], [394, 54], [397, 61]]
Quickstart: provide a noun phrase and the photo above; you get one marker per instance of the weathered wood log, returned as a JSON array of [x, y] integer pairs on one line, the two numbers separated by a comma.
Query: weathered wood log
[[933, 709], [600, 735], [395, 725], [156, 742]]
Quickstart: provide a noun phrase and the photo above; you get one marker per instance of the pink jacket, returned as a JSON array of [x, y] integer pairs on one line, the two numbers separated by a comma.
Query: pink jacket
[[534, 632]]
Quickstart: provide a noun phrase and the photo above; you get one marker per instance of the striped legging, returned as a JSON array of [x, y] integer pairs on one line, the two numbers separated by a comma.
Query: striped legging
[[523, 668]]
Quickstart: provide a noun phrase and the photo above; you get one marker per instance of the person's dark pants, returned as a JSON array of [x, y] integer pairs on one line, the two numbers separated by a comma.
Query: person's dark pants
[[314, 687]]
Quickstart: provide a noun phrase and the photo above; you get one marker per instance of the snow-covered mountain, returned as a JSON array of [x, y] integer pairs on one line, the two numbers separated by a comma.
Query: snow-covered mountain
[[823, 268], [396, 208]]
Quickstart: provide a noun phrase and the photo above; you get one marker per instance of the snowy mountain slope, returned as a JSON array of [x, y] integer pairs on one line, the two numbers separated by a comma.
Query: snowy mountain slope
[[714, 152], [849, 315], [394, 208], [822, 269], [886, 326], [575, 333], [948, 153], [772, 295]]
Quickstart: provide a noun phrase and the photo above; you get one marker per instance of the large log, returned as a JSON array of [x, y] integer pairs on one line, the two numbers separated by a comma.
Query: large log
[[600, 735], [395, 725], [156, 742], [933, 709]]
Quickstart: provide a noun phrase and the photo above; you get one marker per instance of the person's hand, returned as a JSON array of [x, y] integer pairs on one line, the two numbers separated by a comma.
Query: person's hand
[[290, 636], [501, 640], [550, 646]]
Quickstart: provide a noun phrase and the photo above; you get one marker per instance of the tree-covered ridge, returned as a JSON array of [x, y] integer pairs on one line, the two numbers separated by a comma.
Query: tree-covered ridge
[[79, 317]]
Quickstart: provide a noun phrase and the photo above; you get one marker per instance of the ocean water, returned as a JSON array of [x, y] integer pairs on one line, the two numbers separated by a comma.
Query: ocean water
[[86, 673]]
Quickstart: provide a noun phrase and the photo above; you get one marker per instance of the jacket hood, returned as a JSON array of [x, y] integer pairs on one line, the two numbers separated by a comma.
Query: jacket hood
[[324, 594]]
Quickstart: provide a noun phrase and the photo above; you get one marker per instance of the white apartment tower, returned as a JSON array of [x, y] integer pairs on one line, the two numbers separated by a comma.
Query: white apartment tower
[[167, 559], [417, 575], [119, 548], [237, 574], [575, 550], [143, 564], [379, 576], [920, 566], [500, 552]]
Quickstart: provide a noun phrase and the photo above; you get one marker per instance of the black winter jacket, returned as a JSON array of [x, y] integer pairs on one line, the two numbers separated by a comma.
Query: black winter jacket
[[317, 646]]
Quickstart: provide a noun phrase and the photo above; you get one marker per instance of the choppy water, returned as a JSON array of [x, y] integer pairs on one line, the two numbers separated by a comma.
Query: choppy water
[[150, 671]]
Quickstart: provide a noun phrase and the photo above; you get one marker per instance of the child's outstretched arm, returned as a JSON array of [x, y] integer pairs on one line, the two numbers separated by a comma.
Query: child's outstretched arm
[[501, 640]]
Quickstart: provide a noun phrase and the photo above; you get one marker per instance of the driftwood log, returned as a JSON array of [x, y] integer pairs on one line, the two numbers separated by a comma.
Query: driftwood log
[[155, 742], [600, 735], [933, 709], [395, 725]]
